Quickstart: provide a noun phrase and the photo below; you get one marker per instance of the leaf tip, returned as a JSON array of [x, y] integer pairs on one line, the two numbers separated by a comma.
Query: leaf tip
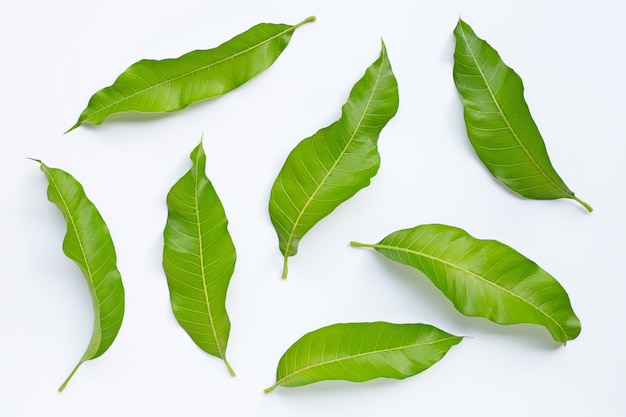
[[462, 25], [78, 123]]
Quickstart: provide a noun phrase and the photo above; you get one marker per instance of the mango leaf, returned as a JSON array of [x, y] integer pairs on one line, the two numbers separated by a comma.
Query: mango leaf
[[360, 352], [329, 167], [88, 243], [498, 121], [484, 278], [199, 259], [173, 84]]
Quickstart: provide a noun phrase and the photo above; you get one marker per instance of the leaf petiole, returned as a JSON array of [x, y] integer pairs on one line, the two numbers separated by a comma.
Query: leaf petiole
[[585, 205], [67, 380], [362, 245]]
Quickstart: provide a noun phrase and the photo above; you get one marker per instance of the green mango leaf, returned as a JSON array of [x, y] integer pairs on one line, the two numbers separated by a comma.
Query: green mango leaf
[[498, 121], [199, 259], [328, 168], [484, 278], [360, 352], [173, 84], [88, 243]]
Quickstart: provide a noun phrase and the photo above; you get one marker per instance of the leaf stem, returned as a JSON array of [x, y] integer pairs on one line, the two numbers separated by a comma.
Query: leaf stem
[[285, 267], [270, 389], [587, 206], [307, 20], [230, 369], [362, 245], [62, 387]]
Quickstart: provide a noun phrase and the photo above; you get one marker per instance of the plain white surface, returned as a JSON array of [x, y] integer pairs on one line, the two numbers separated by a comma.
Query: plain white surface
[[56, 54]]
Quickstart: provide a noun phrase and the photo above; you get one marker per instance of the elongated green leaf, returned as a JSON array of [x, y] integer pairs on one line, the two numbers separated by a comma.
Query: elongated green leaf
[[88, 243], [173, 84], [499, 124], [361, 352], [484, 278], [329, 167], [199, 258]]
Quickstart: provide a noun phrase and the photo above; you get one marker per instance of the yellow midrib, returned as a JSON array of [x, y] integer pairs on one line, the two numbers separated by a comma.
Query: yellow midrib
[[201, 256], [88, 272]]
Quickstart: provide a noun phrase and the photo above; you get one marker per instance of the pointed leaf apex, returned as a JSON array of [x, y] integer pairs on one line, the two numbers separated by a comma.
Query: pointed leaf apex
[[78, 123]]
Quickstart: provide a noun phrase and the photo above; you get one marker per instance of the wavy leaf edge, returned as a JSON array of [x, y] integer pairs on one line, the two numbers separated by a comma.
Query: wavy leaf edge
[[204, 190], [84, 116], [538, 161], [112, 278], [572, 321], [417, 328], [384, 71]]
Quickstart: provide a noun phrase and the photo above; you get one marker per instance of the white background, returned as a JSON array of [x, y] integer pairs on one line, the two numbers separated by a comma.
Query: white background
[[56, 54]]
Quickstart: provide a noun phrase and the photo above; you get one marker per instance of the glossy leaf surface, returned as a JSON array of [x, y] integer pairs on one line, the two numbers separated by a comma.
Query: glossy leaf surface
[[88, 243], [484, 278], [199, 258], [498, 121], [328, 168], [360, 352], [173, 84]]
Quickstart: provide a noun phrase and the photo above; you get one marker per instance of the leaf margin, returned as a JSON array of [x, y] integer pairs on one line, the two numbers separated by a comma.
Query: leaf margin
[[419, 327], [203, 189], [84, 116], [94, 348], [538, 158], [572, 320], [384, 64]]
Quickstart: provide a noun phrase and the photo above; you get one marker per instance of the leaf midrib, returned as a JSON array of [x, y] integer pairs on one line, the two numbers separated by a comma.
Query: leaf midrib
[[333, 167], [187, 74], [504, 117], [70, 218], [476, 276], [201, 257], [95, 337], [358, 355]]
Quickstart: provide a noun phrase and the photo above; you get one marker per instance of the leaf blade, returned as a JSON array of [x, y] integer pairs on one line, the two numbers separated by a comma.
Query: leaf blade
[[328, 168], [484, 278], [498, 121], [199, 259], [359, 352], [88, 243], [173, 84]]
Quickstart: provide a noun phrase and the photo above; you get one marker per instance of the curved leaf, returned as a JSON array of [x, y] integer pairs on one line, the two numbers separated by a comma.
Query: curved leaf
[[88, 243], [172, 84], [199, 258], [484, 278], [360, 352], [329, 167], [499, 124]]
